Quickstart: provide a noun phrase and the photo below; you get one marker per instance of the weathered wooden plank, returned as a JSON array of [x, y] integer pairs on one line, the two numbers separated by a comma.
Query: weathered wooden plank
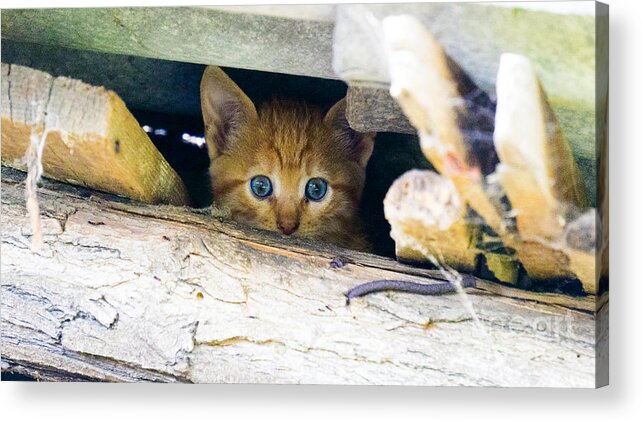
[[124, 291], [374, 110], [203, 35], [263, 38], [91, 139]]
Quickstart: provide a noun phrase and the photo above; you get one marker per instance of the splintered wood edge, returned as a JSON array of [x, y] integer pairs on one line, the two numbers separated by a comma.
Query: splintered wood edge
[[108, 150]]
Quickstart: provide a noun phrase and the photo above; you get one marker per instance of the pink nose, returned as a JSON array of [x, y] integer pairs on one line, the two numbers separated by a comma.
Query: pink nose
[[288, 227]]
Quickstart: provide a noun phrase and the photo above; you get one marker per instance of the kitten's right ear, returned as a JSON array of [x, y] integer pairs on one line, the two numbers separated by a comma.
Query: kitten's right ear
[[359, 145], [225, 108]]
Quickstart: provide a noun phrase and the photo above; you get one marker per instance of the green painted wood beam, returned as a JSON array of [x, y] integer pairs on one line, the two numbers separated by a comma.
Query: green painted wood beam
[[188, 34]]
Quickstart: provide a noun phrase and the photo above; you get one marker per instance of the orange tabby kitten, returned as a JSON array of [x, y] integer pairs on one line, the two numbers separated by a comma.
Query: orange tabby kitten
[[285, 166]]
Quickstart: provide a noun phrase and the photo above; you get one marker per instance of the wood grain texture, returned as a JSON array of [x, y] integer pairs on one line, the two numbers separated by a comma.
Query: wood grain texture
[[124, 292], [91, 137]]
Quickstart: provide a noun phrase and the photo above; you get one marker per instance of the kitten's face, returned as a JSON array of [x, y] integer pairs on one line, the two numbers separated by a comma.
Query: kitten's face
[[287, 168]]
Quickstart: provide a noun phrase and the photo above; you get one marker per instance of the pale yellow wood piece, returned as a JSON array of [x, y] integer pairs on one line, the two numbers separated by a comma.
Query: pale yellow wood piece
[[91, 137]]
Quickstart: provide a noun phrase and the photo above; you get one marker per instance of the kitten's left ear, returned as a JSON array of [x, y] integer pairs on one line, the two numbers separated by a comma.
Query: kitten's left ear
[[359, 144], [226, 110]]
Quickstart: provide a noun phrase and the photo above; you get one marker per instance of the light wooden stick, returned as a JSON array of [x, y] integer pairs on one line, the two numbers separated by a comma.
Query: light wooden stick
[[537, 167]]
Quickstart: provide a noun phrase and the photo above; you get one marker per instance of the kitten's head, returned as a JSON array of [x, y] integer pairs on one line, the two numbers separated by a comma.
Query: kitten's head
[[284, 167]]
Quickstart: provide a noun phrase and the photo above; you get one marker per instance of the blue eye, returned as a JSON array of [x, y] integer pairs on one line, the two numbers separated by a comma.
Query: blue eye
[[316, 189], [261, 186]]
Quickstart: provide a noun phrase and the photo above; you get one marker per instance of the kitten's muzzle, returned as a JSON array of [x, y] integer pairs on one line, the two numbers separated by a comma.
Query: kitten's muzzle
[[288, 227]]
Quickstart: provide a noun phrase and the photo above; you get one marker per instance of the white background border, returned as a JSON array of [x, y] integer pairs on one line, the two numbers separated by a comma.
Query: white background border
[[620, 401]]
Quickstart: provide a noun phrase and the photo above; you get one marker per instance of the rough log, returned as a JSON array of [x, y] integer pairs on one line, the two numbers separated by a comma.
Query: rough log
[[430, 222], [90, 137], [129, 292]]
